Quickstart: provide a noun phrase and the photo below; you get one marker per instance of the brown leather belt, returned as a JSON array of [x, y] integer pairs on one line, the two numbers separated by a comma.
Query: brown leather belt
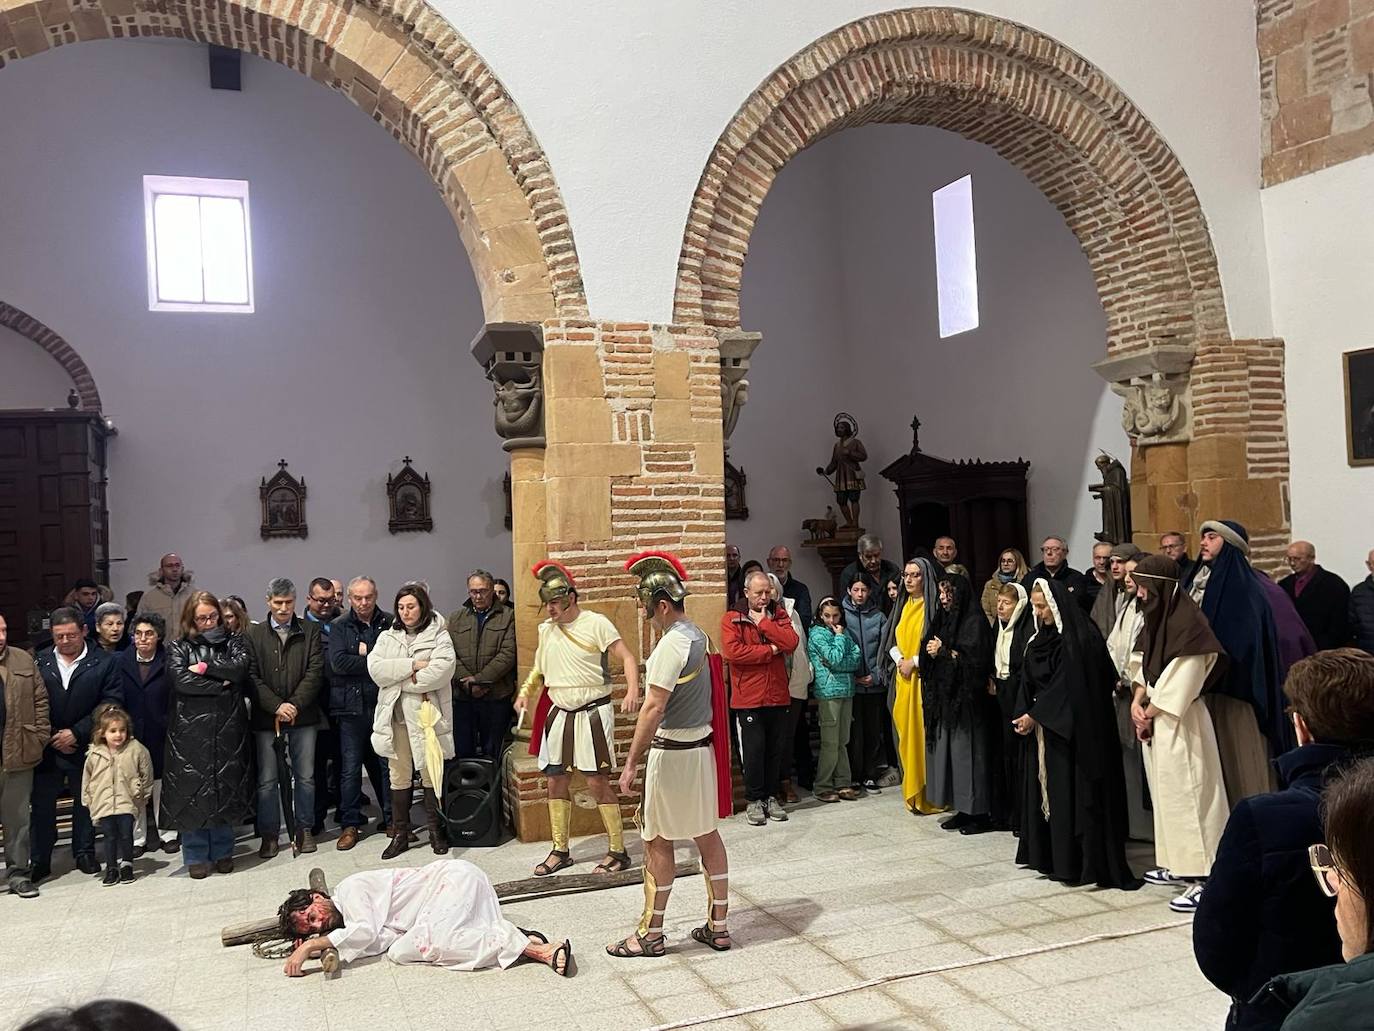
[[599, 749], [669, 745]]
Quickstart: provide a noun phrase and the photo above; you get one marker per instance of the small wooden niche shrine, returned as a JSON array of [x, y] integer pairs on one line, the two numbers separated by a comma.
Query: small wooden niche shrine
[[407, 495]]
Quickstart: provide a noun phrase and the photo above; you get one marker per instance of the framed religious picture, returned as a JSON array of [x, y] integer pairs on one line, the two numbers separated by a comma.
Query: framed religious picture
[[408, 495], [735, 505], [1359, 406], [283, 505]]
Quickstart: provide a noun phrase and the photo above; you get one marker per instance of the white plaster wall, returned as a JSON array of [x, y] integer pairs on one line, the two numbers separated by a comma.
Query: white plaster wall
[[628, 99], [1320, 235], [357, 353], [1018, 386], [32, 378]]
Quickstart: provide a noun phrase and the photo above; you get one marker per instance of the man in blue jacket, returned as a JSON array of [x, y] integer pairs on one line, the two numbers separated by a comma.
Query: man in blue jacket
[[79, 678], [1262, 913], [352, 701]]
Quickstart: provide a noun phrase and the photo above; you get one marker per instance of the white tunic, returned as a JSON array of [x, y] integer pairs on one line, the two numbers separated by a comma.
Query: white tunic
[[1183, 767], [572, 660], [444, 913], [679, 785]]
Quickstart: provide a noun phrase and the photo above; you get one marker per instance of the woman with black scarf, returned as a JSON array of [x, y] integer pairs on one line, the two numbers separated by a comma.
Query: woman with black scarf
[[1013, 629], [1073, 797], [956, 659]]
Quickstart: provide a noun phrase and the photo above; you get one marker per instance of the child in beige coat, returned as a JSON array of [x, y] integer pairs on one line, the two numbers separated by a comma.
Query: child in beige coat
[[115, 787]]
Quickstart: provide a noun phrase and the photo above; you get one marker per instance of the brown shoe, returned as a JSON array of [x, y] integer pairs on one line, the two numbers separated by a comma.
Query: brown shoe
[[347, 839], [305, 842], [269, 848], [789, 794], [224, 865], [198, 871]]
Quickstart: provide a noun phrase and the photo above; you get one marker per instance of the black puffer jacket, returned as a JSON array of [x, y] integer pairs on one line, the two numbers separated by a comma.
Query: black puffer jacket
[[207, 778]]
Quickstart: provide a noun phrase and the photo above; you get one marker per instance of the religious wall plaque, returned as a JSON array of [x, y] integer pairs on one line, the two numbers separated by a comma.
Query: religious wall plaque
[[407, 493], [283, 504], [735, 505]]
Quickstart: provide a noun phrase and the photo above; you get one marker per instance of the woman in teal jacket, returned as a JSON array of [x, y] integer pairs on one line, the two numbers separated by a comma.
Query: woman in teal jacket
[[834, 658]]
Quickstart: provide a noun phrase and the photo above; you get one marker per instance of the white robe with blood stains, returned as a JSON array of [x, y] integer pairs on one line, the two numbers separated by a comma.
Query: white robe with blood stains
[[445, 913]]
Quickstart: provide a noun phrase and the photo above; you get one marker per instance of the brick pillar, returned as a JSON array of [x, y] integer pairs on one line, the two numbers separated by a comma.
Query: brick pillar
[[1238, 458], [634, 459]]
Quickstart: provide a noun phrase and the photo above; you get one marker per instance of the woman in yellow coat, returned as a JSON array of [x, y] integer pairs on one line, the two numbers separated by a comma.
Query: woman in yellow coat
[[903, 640]]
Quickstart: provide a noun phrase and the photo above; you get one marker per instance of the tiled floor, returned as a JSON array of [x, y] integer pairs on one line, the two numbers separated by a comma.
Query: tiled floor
[[840, 895]]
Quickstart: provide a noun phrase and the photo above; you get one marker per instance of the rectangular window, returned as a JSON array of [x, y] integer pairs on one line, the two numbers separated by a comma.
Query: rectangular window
[[200, 254], [956, 264]]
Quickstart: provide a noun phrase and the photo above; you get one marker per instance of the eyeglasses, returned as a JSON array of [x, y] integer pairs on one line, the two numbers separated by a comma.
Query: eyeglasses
[[1324, 869], [209, 619]]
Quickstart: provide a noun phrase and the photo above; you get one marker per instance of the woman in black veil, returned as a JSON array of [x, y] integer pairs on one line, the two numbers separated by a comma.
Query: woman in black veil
[[1073, 798]]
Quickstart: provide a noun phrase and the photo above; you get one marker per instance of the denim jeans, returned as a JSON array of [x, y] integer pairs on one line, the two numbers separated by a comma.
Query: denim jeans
[[355, 753], [118, 830], [301, 743], [207, 845], [480, 725]]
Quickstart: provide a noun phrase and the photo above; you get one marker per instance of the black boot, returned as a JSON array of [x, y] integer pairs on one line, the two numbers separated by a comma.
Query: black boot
[[438, 835], [400, 823]]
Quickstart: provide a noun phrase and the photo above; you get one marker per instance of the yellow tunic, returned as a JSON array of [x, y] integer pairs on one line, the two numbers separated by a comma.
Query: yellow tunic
[[907, 717]]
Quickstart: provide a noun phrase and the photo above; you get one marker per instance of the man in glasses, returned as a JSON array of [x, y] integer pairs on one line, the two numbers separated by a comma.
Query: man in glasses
[[1054, 565], [1263, 913], [79, 679]]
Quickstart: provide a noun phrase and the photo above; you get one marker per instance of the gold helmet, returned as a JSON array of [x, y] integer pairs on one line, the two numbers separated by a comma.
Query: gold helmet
[[554, 580], [660, 573]]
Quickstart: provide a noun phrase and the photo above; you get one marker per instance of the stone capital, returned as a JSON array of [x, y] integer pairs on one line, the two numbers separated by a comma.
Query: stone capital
[[736, 347], [512, 356], [1155, 388]]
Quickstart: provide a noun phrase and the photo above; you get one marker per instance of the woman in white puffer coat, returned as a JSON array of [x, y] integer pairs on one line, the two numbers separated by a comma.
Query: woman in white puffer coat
[[412, 663]]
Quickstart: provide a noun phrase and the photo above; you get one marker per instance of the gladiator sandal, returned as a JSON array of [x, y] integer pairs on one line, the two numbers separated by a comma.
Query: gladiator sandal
[[617, 859], [400, 823], [649, 933], [560, 821], [438, 834], [713, 933]]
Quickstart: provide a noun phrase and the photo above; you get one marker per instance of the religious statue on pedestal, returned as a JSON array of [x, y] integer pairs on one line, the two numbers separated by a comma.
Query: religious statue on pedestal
[[846, 465], [1115, 494]]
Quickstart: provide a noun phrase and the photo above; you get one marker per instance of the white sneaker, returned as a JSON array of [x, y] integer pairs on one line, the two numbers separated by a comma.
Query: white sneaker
[[1188, 901], [775, 810], [1160, 875], [756, 813]]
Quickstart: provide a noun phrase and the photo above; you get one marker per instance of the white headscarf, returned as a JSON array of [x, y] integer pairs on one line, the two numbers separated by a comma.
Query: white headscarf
[[1002, 652]]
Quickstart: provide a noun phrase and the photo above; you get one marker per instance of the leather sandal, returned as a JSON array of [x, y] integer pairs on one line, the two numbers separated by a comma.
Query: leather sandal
[[565, 952], [711, 938], [564, 860], [651, 948], [538, 936], [615, 862]]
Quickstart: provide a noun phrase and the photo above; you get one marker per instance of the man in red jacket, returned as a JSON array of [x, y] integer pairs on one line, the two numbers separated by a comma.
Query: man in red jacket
[[757, 641]]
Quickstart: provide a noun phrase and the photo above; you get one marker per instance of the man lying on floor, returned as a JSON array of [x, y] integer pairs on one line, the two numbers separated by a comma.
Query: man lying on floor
[[445, 913]]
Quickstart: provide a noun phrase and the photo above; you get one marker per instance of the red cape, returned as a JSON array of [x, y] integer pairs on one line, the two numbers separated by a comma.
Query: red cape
[[720, 737], [541, 716]]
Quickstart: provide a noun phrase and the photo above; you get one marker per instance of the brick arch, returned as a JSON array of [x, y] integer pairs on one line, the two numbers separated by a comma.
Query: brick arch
[[1045, 109], [62, 352], [408, 69]]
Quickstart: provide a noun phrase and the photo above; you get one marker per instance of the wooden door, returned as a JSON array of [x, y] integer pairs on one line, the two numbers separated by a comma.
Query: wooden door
[[52, 513]]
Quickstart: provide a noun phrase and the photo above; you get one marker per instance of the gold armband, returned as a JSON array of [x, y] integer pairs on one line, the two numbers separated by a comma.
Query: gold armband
[[532, 683]]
